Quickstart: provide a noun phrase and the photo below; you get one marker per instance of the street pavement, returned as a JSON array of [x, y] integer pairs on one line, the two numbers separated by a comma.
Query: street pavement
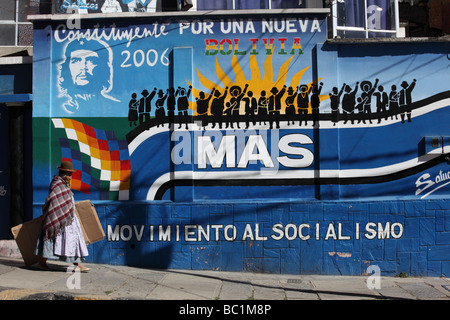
[[110, 282]]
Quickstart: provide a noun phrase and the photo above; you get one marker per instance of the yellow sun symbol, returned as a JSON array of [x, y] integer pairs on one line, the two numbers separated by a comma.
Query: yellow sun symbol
[[257, 83]]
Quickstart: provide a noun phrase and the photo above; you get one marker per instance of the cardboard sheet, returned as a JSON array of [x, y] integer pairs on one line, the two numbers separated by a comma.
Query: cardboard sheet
[[90, 224], [26, 234]]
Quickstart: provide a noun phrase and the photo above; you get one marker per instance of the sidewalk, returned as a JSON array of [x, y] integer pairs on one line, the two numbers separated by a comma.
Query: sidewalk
[[107, 282]]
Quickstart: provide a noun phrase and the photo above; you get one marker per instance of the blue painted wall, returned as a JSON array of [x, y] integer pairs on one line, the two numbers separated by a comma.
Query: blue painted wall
[[397, 236], [316, 195]]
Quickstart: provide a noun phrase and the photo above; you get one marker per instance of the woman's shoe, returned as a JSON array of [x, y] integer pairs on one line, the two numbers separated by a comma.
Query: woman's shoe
[[82, 269]]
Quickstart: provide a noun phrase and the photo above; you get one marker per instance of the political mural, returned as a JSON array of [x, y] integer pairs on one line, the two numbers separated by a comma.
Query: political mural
[[207, 108]]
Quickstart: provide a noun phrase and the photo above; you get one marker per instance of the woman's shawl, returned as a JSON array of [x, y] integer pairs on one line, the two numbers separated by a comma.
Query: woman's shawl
[[58, 209]]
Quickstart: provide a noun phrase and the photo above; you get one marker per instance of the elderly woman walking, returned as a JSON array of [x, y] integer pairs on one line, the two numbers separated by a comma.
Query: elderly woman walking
[[61, 237]]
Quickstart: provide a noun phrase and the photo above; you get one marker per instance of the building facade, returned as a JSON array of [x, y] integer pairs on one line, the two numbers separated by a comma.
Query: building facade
[[247, 143]]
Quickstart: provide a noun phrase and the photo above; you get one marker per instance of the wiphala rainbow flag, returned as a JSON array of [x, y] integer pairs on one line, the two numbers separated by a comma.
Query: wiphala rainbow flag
[[102, 162]]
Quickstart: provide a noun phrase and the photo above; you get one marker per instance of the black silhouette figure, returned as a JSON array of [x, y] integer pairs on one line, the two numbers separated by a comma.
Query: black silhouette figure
[[145, 105], [393, 102], [171, 102], [262, 106], [290, 107], [335, 98], [183, 104], [217, 107], [227, 115], [382, 103], [202, 107], [133, 109], [405, 100], [360, 107], [366, 96], [235, 102], [348, 103], [275, 106], [251, 106], [315, 102], [303, 103], [160, 113]]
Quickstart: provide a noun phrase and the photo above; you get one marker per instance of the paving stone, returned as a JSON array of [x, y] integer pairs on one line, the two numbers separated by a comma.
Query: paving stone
[[235, 290], [268, 290]]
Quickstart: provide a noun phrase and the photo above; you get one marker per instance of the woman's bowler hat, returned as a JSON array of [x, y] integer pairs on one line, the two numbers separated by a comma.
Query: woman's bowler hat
[[66, 166]]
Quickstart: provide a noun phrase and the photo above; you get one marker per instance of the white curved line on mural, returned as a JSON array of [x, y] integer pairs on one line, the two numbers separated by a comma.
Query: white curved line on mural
[[324, 124], [289, 174], [144, 136]]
